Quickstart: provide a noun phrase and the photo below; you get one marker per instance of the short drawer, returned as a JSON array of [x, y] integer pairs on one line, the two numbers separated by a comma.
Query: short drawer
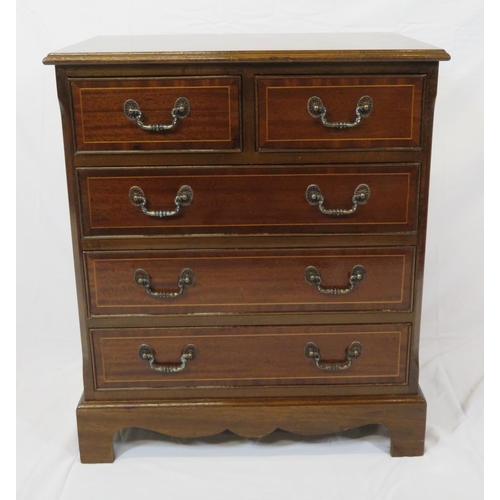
[[129, 114], [233, 281], [355, 199], [319, 112], [250, 356]]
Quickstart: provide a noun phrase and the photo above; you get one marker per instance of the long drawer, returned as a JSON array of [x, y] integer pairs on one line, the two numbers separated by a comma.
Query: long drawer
[[250, 356], [138, 114], [339, 112], [235, 281], [306, 199]]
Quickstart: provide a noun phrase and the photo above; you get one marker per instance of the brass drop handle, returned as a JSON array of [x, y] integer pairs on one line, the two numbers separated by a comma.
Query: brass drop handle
[[313, 277], [133, 112], [186, 279], [188, 354], [360, 196], [312, 351], [183, 198], [316, 109]]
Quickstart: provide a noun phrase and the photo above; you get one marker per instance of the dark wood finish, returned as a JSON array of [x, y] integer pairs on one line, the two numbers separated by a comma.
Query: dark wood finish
[[231, 282], [248, 230], [250, 200], [404, 417], [240, 356], [284, 122], [212, 124]]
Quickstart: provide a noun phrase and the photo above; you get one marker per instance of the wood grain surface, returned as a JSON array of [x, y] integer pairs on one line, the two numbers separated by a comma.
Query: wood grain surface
[[404, 416], [213, 122], [250, 281], [250, 356], [284, 122], [250, 201]]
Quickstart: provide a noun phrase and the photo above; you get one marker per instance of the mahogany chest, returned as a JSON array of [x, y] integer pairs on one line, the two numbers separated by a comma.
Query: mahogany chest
[[248, 218]]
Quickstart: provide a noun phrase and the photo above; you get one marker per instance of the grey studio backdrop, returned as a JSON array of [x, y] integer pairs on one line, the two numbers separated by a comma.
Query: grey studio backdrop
[[354, 464]]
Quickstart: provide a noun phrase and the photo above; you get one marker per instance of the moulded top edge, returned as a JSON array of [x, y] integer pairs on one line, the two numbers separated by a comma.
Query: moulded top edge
[[247, 48]]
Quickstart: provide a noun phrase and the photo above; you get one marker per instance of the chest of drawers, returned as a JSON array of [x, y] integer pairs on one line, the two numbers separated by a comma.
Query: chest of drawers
[[248, 219]]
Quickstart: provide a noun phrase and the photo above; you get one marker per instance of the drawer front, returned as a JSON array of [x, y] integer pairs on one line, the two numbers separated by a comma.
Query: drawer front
[[250, 356], [285, 123], [250, 281], [212, 123], [250, 200]]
